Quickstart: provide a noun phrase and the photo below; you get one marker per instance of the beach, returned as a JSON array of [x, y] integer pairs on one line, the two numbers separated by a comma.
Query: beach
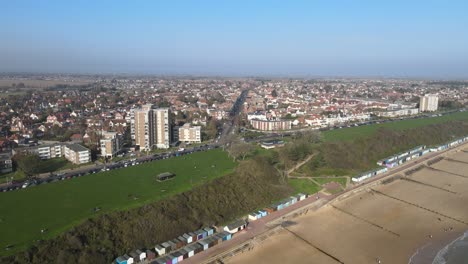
[[411, 218]]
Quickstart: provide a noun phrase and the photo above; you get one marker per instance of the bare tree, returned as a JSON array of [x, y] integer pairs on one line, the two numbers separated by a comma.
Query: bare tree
[[240, 149]]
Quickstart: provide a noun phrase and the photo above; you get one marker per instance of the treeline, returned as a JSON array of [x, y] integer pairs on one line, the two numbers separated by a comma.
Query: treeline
[[100, 240]]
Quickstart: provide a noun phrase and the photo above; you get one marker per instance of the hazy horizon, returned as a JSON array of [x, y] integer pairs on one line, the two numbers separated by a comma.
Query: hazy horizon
[[421, 39]]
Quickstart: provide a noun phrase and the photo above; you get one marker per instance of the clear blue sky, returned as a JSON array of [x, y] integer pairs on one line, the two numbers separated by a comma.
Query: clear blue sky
[[311, 38]]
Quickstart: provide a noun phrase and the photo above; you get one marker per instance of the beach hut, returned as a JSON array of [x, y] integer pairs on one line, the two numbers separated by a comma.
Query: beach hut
[[150, 254], [184, 253], [179, 255], [194, 236], [200, 234], [121, 260], [135, 256], [141, 254], [173, 246], [130, 260], [188, 238], [160, 249], [173, 259], [301, 196], [197, 247], [263, 213], [204, 244], [209, 231], [182, 239], [226, 235], [190, 250], [167, 247], [252, 217], [178, 243], [269, 210], [160, 260]]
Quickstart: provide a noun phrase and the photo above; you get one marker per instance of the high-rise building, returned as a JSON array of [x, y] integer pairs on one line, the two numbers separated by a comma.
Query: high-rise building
[[429, 102], [111, 144], [151, 127]]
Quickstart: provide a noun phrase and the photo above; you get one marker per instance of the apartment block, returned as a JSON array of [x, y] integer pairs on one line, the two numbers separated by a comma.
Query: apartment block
[[77, 154], [189, 134], [429, 103], [111, 144], [151, 127]]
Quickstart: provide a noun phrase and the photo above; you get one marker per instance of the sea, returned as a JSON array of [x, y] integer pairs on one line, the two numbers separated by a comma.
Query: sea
[[454, 253]]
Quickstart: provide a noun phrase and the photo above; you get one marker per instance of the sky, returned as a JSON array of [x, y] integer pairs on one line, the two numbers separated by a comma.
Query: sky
[[349, 38]]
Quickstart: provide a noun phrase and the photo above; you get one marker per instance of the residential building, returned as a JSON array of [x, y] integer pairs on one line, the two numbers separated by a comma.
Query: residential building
[[111, 144], [271, 125], [163, 127], [190, 134], [48, 151], [429, 102], [77, 154], [6, 165], [151, 127]]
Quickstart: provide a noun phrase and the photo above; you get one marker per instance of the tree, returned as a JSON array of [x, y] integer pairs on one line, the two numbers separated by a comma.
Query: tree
[[28, 163], [240, 149], [274, 93]]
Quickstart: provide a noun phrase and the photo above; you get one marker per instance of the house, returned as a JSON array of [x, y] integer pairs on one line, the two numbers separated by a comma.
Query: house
[[51, 119], [77, 138]]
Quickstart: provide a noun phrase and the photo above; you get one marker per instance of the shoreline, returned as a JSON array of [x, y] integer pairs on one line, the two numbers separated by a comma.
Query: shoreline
[[428, 252]]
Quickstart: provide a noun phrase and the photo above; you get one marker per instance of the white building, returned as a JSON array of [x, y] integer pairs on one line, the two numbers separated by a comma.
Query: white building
[[77, 154], [429, 102], [190, 134]]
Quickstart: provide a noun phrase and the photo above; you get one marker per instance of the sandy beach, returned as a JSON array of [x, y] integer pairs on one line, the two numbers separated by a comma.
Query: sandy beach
[[420, 213]]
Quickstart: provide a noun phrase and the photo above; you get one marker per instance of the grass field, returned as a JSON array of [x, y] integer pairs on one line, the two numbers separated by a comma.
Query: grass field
[[304, 186], [339, 180], [363, 131], [61, 205]]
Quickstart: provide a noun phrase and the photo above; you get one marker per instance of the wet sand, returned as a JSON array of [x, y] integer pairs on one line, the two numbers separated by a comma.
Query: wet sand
[[388, 222]]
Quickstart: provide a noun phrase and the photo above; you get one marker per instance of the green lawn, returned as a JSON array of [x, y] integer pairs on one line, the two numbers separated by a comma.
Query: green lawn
[[363, 131], [304, 186], [59, 206]]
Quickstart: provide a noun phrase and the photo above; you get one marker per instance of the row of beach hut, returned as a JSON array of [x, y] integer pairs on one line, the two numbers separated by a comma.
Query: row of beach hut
[[193, 249], [164, 248]]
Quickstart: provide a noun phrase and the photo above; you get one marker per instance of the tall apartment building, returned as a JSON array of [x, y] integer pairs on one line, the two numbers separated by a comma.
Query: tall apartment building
[[189, 134], [163, 127], [111, 144], [429, 102], [151, 127]]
